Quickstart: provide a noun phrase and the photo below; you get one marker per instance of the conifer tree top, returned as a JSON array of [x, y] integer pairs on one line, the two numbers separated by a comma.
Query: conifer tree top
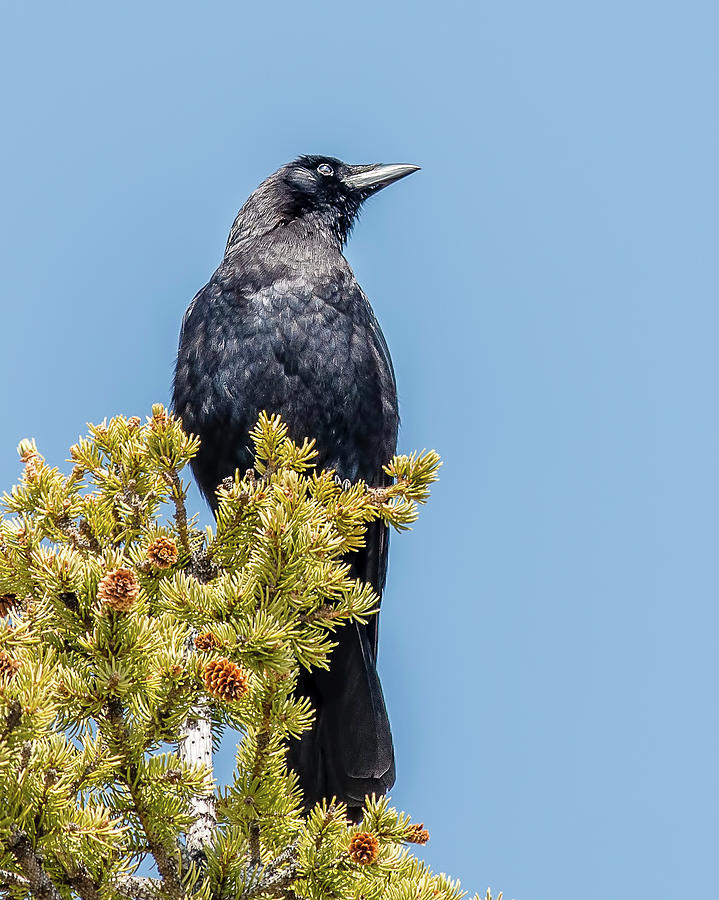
[[124, 628]]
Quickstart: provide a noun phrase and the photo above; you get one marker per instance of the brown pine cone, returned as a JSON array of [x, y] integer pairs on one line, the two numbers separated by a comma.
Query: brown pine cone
[[8, 666], [206, 641], [118, 590], [8, 602], [225, 680], [363, 848], [162, 553], [417, 834]]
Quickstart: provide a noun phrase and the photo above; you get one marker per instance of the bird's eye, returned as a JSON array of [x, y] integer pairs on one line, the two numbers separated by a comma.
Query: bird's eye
[[324, 169]]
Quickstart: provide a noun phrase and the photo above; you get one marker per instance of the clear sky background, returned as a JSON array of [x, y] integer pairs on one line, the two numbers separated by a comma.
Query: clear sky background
[[548, 288]]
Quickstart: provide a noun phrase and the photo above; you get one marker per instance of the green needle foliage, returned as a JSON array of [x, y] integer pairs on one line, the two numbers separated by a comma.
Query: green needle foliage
[[124, 630]]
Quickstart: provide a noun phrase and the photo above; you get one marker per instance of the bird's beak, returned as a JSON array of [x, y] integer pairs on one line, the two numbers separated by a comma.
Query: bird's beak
[[374, 178]]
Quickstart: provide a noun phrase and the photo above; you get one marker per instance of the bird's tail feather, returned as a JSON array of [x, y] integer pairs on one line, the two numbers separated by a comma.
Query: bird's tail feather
[[348, 752]]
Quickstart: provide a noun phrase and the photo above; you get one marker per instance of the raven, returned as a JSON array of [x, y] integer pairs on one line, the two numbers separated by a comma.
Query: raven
[[283, 326]]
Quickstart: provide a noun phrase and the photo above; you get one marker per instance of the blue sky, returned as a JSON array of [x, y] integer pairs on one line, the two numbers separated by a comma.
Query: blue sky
[[548, 288]]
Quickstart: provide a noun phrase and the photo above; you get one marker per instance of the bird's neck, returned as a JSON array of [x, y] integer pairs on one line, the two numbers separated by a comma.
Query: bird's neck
[[307, 238], [264, 223]]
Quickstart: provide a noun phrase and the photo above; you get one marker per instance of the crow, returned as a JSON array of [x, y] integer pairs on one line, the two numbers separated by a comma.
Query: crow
[[283, 326]]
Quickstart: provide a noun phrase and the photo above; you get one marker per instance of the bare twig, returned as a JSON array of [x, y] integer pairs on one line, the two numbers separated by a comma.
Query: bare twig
[[263, 741], [12, 718], [38, 880], [254, 840], [328, 817], [83, 885], [289, 854], [135, 888], [201, 565], [173, 479], [12, 879], [274, 878], [274, 883], [79, 533], [324, 612]]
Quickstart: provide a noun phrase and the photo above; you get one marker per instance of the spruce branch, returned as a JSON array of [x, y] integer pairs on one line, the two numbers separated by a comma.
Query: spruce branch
[[167, 863], [165, 860]]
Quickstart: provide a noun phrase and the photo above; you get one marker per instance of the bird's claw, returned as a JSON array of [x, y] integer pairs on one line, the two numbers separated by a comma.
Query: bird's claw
[[343, 483]]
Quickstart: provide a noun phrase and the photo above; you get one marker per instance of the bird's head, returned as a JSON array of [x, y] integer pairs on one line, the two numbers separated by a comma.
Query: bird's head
[[313, 193]]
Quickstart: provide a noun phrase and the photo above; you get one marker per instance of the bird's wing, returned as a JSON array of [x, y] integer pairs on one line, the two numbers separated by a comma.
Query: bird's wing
[[370, 563], [379, 339], [188, 313]]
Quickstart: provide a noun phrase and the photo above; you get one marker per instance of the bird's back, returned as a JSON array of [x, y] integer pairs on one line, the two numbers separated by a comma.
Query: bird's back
[[291, 338]]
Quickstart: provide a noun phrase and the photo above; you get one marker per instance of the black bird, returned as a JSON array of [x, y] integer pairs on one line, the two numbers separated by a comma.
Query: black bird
[[283, 326]]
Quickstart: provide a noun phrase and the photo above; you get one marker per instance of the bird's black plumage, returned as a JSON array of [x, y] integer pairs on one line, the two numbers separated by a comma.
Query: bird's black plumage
[[283, 326]]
